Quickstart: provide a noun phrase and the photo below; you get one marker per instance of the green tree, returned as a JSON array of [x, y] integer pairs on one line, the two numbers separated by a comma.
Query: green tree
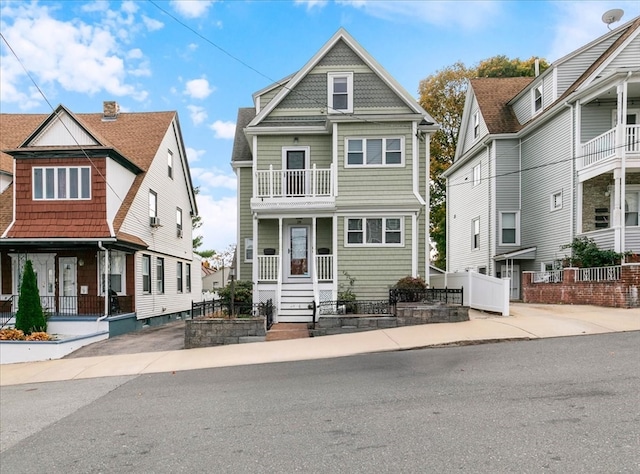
[[30, 317], [443, 95]]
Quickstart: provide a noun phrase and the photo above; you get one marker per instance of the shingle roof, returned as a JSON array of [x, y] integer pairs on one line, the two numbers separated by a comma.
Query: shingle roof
[[241, 150], [136, 136], [493, 94]]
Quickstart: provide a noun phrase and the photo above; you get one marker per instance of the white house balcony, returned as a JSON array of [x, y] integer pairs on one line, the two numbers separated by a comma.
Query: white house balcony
[[603, 152], [278, 189]]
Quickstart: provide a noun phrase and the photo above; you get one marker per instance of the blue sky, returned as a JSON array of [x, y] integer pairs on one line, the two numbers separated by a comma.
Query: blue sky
[[206, 58]]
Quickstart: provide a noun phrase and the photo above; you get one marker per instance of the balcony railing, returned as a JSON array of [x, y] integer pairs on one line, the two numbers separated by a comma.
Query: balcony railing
[[314, 182], [604, 146], [324, 267], [83, 305], [552, 276]]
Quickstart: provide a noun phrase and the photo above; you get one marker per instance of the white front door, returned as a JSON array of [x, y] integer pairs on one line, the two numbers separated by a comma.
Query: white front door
[[512, 272], [68, 301], [298, 265]]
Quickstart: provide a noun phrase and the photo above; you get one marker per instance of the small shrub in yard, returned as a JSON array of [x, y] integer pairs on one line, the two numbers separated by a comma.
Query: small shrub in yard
[[30, 316], [11, 334], [410, 283], [38, 336]]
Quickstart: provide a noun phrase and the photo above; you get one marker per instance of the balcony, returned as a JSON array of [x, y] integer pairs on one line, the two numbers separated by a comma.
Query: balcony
[[604, 148], [293, 189]]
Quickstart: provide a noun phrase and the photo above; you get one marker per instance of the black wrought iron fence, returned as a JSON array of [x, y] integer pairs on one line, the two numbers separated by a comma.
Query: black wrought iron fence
[[240, 309], [69, 306]]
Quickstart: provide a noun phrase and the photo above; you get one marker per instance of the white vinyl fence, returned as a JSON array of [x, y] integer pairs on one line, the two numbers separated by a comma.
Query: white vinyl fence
[[481, 292]]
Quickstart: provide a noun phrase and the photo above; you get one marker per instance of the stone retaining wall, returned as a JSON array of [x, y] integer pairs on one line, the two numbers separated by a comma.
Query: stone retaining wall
[[408, 314], [218, 331]]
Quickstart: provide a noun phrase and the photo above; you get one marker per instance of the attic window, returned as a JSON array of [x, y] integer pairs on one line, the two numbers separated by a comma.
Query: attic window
[[476, 124], [340, 92], [537, 99], [61, 183]]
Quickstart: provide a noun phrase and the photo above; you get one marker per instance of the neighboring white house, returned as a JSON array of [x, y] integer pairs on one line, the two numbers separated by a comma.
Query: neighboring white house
[[542, 160]]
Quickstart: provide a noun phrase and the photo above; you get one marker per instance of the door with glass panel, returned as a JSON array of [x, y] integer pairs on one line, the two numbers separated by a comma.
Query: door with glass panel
[[295, 181], [68, 297], [298, 253]]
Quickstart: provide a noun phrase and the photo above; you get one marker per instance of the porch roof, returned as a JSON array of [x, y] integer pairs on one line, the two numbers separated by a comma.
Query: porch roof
[[528, 253]]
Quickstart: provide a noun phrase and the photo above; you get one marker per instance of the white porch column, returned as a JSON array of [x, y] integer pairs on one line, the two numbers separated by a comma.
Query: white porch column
[[621, 142], [255, 268], [616, 219]]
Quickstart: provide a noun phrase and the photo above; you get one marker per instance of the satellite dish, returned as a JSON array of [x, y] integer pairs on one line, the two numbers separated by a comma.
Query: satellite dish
[[611, 16]]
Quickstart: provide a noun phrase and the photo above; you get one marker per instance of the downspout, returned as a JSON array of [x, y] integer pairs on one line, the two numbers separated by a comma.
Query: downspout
[[107, 296]]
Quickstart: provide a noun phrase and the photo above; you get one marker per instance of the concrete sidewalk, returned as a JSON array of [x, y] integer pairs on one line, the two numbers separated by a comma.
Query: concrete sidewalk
[[526, 322]]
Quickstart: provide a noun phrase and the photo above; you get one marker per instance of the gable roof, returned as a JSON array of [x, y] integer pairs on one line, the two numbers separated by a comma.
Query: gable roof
[[493, 95], [344, 36], [132, 138], [241, 149]]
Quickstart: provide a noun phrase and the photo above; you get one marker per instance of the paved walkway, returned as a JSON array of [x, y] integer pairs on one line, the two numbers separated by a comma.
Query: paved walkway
[[526, 322]]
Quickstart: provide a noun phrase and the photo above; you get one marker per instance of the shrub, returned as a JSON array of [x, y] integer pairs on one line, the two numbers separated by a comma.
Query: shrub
[[242, 296], [346, 296], [11, 334], [586, 254], [410, 283], [30, 317]]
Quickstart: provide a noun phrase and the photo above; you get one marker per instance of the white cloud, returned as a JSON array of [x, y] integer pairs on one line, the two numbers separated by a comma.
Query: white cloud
[[198, 89], [72, 55], [191, 8], [224, 130], [439, 13], [578, 23], [219, 218], [198, 114], [213, 178], [152, 24], [194, 155], [311, 3]]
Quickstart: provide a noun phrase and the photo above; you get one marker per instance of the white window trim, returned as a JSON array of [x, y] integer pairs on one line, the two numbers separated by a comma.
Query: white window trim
[[164, 276], [614, 116], [179, 277], [476, 124], [384, 152], [349, 77], [170, 164], [55, 183], [477, 175], [150, 260], [538, 88], [155, 201], [629, 189], [123, 274], [473, 234], [517, 242], [307, 155], [364, 231], [187, 277], [552, 206], [248, 243]]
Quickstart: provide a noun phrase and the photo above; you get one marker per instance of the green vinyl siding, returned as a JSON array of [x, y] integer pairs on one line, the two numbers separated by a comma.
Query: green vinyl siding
[[375, 269], [270, 150], [268, 236], [245, 190], [324, 234], [381, 185]]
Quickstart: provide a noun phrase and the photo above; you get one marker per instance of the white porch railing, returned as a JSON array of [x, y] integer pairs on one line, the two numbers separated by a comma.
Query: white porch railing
[[313, 182], [268, 266], [604, 146], [324, 267], [553, 276], [598, 274]]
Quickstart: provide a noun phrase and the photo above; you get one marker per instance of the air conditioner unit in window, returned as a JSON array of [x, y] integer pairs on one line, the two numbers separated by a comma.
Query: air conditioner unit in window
[[154, 221], [180, 233]]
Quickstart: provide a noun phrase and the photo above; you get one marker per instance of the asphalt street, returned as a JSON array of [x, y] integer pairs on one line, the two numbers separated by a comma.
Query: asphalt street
[[569, 404]]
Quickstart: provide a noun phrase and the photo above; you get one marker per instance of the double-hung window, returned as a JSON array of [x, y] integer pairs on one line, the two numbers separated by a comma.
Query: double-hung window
[[374, 152], [509, 228], [340, 92], [475, 233], [477, 176], [170, 164], [248, 250], [632, 207], [179, 221], [146, 273], [117, 272], [187, 277], [179, 277], [160, 275], [62, 183], [374, 231]]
